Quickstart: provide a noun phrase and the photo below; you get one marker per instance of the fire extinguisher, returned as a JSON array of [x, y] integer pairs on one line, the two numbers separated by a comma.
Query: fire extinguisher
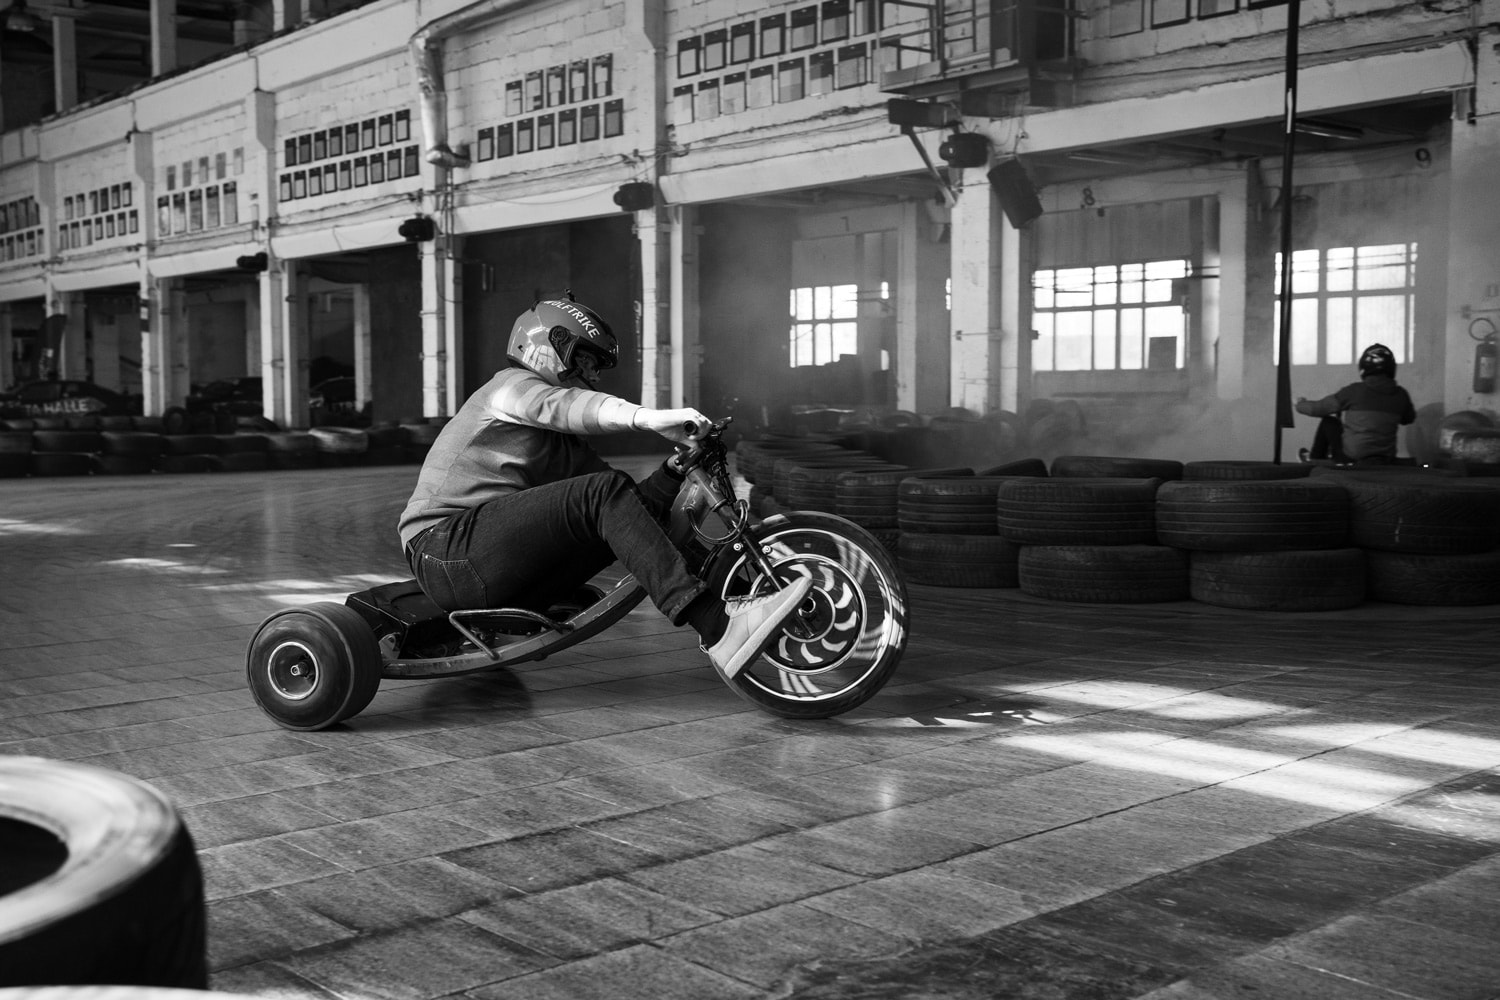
[[1485, 353]]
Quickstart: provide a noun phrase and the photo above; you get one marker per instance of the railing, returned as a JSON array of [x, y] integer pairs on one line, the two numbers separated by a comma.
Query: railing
[[944, 38]]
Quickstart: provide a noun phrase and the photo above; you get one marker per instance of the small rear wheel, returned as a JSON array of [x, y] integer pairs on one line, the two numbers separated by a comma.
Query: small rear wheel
[[846, 640], [310, 668]]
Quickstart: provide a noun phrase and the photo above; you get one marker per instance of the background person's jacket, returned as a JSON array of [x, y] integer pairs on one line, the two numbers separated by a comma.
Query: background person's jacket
[[1371, 410]]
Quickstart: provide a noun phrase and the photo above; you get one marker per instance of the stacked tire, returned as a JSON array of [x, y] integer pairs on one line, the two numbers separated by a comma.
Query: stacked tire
[[188, 453], [870, 498], [15, 452], [242, 453], [64, 452], [948, 535], [291, 450], [128, 452], [1090, 539], [1264, 544], [1427, 539], [340, 446]]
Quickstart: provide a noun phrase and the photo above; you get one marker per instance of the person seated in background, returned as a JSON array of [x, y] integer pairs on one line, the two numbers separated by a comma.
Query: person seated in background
[[1359, 422], [512, 506]]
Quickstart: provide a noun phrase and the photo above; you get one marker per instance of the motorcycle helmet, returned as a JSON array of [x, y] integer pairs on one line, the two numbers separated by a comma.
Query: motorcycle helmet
[[559, 339], [1377, 359]]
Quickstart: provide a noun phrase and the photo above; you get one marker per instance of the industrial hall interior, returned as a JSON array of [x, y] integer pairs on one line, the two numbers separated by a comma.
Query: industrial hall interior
[[1125, 668]]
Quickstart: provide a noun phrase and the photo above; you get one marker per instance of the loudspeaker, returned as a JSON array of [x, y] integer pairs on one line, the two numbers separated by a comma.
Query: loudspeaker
[[1017, 196]]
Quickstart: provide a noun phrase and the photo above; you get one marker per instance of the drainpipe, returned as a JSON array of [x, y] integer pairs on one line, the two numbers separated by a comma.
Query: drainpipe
[[427, 62]]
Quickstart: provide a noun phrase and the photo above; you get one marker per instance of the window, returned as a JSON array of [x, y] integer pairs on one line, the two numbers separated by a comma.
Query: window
[[824, 324], [1346, 298], [1125, 316]]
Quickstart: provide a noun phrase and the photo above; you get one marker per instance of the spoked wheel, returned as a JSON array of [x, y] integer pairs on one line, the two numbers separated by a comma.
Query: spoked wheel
[[312, 667], [846, 640]]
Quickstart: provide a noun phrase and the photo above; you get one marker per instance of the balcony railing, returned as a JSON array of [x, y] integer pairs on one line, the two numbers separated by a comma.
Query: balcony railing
[[944, 40]]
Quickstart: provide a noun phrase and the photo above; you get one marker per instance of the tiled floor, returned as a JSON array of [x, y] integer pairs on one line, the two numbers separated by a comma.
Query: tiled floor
[[1164, 801]]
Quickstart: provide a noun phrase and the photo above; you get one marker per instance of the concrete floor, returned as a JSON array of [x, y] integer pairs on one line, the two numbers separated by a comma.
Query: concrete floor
[[1061, 801]]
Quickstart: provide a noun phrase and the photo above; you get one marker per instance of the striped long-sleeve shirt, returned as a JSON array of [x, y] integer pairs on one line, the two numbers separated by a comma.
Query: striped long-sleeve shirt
[[516, 432]]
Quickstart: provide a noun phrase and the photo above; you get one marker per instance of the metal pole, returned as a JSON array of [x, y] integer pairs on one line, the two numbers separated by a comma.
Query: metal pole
[[1288, 151]]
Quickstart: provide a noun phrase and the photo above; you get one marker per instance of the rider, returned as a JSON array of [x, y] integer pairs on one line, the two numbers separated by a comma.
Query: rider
[[1371, 409], [513, 508]]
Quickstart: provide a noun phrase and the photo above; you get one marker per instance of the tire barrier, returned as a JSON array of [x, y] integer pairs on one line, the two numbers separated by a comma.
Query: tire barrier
[[15, 453], [1077, 511], [416, 440], [136, 444], [815, 487], [1481, 446], [190, 444], [1104, 467], [1235, 470], [948, 505], [1032, 467], [125, 465], [1417, 578], [1252, 515], [125, 907], [783, 468], [945, 560], [754, 459], [84, 442], [1291, 580], [870, 498], [1424, 514], [291, 450], [1104, 574]]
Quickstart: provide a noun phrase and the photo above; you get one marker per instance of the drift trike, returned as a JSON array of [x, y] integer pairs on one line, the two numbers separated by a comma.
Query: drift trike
[[312, 667]]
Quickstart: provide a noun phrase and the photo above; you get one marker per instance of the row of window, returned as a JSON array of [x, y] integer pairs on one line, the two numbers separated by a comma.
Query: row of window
[[1133, 317], [577, 82], [77, 235], [361, 171], [561, 128], [197, 210], [20, 245], [105, 199], [775, 35], [222, 166], [22, 213], [1126, 17], [346, 140], [788, 80]]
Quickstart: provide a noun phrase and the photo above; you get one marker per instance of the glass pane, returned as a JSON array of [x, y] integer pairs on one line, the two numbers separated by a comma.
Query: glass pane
[[1382, 266], [1338, 332], [1159, 290], [802, 303], [822, 302], [1104, 339], [845, 301], [1041, 286], [1131, 287], [1304, 331], [1041, 346], [1132, 348], [1381, 319], [1340, 264], [1157, 269], [1305, 265], [845, 339], [801, 345], [1074, 341], [1106, 287], [1075, 287]]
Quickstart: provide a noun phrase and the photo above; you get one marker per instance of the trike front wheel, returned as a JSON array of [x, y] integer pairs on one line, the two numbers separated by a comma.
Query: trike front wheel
[[846, 640]]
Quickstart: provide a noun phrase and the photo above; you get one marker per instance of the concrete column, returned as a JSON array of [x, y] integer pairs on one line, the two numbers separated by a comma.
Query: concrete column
[[361, 345], [1473, 220], [685, 348], [1013, 312], [285, 14], [872, 321], [435, 330], [975, 320], [153, 355], [452, 249], [283, 361], [7, 348], [64, 61], [177, 345], [655, 306], [163, 36], [72, 361], [922, 343]]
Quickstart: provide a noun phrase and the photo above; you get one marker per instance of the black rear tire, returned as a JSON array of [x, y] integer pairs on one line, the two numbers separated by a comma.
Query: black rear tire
[[313, 667]]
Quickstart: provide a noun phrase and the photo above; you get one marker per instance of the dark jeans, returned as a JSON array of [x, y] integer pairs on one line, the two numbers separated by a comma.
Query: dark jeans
[[1328, 440], [533, 548]]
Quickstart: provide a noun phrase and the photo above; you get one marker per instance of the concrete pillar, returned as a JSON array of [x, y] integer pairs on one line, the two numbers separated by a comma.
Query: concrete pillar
[[975, 321], [361, 345], [165, 346], [7, 348], [153, 362], [285, 14], [64, 61], [872, 322], [435, 330], [163, 36], [922, 339], [72, 359], [685, 348], [655, 306], [452, 249], [283, 356], [1473, 220]]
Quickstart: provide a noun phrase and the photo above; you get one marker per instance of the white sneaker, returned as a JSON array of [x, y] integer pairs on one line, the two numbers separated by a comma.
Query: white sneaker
[[753, 622]]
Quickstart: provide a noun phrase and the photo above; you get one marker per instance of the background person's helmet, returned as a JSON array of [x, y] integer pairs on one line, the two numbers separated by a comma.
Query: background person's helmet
[[548, 337], [1377, 359]]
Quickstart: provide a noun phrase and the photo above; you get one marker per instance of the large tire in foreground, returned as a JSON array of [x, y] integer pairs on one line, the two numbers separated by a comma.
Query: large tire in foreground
[[1104, 574], [312, 667], [1253, 515], [939, 560], [1322, 580], [847, 639], [126, 906], [1417, 578]]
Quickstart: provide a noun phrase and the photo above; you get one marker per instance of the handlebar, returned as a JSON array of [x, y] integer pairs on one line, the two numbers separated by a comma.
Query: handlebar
[[691, 454]]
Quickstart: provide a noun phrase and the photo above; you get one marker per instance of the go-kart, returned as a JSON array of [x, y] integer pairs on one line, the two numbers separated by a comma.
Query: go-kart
[[313, 667]]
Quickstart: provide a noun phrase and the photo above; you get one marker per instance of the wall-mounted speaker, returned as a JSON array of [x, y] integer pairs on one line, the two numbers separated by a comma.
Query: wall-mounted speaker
[[1017, 196]]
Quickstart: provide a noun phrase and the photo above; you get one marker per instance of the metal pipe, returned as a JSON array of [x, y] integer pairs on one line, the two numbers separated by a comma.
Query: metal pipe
[[1289, 148]]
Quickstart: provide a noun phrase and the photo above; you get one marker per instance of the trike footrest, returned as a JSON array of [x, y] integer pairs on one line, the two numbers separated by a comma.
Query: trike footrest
[[511, 621]]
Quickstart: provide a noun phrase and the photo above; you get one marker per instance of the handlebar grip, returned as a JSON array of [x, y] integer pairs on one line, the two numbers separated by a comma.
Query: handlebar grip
[[690, 427]]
